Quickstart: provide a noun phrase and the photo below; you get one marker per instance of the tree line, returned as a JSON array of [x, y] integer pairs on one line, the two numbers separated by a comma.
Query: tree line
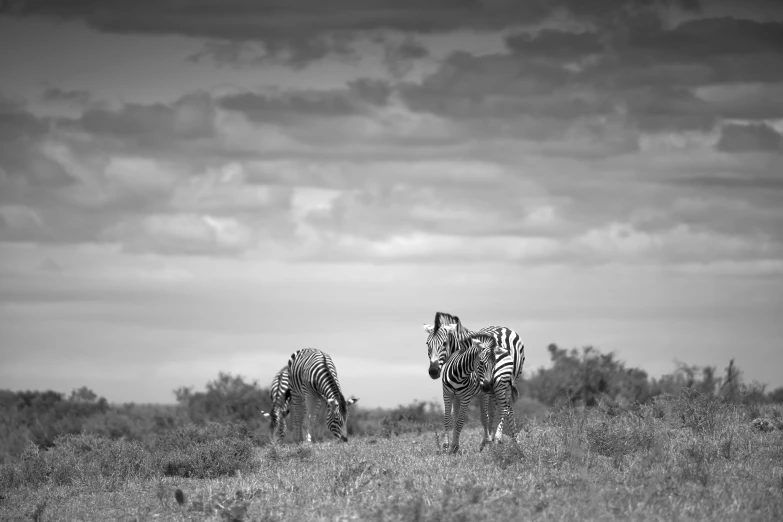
[[576, 376]]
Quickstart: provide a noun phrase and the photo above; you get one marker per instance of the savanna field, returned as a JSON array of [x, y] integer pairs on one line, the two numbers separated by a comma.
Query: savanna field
[[689, 452]]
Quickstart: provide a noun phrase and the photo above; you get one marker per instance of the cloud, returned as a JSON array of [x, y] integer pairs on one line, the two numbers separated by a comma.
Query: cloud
[[287, 107], [151, 126], [400, 56], [183, 233], [77, 97], [19, 218], [300, 31], [744, 100], [749, 138], [555, 44], [661, 75]]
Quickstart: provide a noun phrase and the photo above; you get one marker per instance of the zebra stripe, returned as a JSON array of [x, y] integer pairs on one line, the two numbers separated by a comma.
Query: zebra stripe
[[463, 378], [503, 391], [313, 377]]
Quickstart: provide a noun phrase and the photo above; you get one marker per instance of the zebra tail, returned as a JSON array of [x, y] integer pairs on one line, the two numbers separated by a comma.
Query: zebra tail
[[514, 393]]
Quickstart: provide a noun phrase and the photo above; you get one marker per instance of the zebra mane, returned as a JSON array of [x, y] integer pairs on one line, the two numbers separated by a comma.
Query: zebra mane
[[487, 340], [442, 318], [340, 396], [482, 337]]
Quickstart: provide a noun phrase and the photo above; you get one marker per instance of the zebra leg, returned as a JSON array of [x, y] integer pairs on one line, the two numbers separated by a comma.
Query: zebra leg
[[447, 405], [317, 403], [298, 406], [462, 409], [491, 415], [507, 413], [313, 403], [483, 403]]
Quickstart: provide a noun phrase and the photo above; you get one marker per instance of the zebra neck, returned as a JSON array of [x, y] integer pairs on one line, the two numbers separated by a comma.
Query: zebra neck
[[462, 338]]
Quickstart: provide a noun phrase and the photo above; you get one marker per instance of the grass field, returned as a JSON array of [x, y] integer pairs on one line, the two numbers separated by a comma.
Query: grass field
[[683, 458]]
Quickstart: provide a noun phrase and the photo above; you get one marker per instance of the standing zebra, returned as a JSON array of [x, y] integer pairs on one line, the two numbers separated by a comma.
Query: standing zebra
[[506, 370], [313, 376], [465, 374]]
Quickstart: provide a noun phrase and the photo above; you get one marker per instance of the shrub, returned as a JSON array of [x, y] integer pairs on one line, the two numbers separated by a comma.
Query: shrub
[[616, 439], [81, 460], [204, 451]]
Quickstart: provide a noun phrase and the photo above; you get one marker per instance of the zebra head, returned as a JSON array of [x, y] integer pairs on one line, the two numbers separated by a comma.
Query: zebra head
[[490, 353], [337, 416], [440, 346], [277, 417]]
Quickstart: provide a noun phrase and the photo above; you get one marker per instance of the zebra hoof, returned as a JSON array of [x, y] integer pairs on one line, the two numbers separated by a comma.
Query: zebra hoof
[[483, 443]]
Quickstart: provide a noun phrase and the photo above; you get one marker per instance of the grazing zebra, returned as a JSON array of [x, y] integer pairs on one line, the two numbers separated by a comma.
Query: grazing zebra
[[464, 376], [280, 395], [313, 376], [506, 370]]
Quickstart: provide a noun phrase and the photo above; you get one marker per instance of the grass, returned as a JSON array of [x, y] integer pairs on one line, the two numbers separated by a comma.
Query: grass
[[674, 459]]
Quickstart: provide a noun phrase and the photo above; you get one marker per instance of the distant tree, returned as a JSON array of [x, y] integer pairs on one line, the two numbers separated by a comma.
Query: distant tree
[[776, 395], [227, 398], [83, 394], [730, 389], [585, 376]]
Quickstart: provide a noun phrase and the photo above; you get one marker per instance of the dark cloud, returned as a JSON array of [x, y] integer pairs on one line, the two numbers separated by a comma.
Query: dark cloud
[[749, 138], [555, 44], [21, 157], [696, 39], [303, 30], [79, 97], [400, 56], [360, 96], [157, 125], [668, 109], [631, 63]]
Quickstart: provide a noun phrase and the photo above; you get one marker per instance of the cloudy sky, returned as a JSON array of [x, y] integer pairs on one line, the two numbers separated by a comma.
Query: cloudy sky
[[194, 186]]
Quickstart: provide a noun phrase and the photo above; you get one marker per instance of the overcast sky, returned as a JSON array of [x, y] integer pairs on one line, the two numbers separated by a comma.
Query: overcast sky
[[188, 187]]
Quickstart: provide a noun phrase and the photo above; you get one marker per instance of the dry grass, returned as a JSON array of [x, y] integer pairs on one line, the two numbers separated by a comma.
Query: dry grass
[[676, 459]]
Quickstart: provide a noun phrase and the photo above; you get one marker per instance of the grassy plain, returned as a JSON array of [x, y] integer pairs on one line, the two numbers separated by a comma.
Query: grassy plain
[[678, 458]]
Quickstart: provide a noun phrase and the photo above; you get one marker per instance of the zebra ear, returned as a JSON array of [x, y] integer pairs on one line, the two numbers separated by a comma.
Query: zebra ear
[[449, 327], [428, 328], [351, 400]]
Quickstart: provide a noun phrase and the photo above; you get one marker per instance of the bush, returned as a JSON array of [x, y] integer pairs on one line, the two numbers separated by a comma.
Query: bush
[[204, 451], [80, 460]]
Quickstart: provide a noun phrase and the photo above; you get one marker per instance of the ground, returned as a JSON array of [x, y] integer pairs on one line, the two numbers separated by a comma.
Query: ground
[[652, 463]]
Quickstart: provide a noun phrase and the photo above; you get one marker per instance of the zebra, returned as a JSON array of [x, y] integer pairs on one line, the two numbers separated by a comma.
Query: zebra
[[467, 373], [313, 376], [506, 370], [280, 396]]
